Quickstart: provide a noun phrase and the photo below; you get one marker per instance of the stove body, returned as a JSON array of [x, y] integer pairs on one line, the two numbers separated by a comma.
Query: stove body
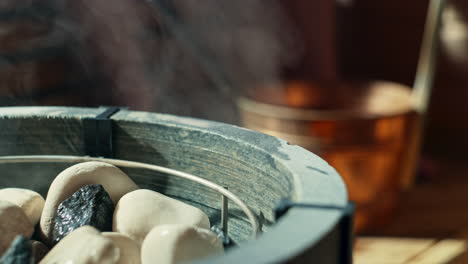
[[261, 170]]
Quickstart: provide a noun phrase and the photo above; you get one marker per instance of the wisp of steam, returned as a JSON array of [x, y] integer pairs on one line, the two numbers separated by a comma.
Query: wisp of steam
[[184, 57]]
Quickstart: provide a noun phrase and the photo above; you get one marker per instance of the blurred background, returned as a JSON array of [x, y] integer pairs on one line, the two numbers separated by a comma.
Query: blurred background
[[335, 77]]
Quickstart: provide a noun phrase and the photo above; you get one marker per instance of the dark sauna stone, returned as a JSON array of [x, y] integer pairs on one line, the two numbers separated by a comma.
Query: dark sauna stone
[[90, 205], [227, 242], [39, 250], [20, 252]]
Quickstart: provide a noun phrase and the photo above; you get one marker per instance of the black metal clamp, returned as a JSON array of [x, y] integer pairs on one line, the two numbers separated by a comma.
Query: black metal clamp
[[345, 224], [98, 133]]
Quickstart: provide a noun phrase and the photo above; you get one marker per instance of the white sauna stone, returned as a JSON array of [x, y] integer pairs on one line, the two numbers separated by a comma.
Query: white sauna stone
[[140, 211], [171, 244], [13, 222], [85, 245], [129, 249], [30, 201], [114, 181]]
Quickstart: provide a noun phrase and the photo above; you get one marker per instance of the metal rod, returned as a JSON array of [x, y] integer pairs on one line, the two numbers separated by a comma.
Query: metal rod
[[427, 58], [224, 214], [133, 164]]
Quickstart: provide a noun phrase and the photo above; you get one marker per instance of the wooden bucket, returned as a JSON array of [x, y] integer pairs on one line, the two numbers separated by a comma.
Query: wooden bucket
[[368, 131]]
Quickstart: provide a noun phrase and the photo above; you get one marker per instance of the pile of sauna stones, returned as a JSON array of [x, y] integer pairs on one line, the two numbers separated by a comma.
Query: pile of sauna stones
[[94, 213]]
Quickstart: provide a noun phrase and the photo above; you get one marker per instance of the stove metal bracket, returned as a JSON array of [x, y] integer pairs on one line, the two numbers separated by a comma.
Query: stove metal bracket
[[98, 133], [345, 224]]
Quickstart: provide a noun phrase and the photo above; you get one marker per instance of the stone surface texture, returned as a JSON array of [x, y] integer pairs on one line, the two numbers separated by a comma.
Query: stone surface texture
[[13, 222], [129, 249], [85, 245], [90, 205], [140, 211], [115, 182], [30, 201], [20, 252], [173, 244]]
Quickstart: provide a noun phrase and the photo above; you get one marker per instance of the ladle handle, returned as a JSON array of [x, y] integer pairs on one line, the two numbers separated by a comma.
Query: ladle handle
[[427, 57]]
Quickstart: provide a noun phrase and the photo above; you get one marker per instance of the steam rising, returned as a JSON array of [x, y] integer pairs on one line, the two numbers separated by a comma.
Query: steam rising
[[185, 57]]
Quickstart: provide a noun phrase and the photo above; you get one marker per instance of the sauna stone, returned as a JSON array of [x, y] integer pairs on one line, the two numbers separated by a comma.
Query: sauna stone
[[20, 252], [31, 202], [115, 182], [84, 245], [129, 249], [140, 211], [90, 205], [220, 234], [171, 244], [39, 250], [13, 222]]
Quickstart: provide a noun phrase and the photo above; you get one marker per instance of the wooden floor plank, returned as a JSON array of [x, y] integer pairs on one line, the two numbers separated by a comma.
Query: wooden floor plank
[[388, 250], [442, 252]]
